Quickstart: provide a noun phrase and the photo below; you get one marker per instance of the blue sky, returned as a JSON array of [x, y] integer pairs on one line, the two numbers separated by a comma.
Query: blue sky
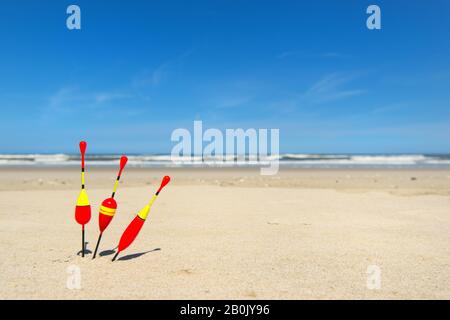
[[139, 69]]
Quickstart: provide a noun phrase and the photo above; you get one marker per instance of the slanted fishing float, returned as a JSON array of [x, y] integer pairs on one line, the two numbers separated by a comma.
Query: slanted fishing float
[[135, 226], [109, 206], [83, 208]]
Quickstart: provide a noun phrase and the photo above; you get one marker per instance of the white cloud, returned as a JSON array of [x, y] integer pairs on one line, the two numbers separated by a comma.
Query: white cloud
[[309, 55], [70, 99], [330, 88], [161, 73], [109, 96]]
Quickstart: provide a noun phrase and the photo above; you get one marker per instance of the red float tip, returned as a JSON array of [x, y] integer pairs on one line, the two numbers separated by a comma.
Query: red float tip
[[164, 182], [123, 163], [83, 145]]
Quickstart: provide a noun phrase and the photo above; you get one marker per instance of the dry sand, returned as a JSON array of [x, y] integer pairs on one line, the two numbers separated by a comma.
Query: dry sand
[[230, 234]]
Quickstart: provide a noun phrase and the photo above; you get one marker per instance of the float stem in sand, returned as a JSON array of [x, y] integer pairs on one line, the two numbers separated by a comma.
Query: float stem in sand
[[83, 208]]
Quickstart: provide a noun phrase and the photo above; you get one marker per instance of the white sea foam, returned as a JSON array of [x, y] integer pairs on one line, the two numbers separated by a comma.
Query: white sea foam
[[289, 160]]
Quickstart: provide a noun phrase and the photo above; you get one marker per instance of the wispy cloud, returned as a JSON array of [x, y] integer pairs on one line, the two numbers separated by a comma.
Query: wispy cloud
[[286, 54], [389, 108], [160, 74], [109, 96], [335, 55], [58, 99], [330, 88], [67, 96], [152, 78], [70, 99], [309, 55]]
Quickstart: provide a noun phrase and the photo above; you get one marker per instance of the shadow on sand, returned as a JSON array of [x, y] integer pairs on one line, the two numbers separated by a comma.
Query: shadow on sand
[[86, 250], [107, 252], [136, 255]]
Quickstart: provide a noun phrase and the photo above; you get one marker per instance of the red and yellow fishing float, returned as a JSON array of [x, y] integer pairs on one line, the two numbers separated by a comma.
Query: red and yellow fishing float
[[109, 206], [83, 208], [135, 226]]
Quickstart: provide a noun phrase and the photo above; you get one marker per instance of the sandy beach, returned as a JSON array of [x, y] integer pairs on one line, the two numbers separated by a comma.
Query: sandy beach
[[230, 234]]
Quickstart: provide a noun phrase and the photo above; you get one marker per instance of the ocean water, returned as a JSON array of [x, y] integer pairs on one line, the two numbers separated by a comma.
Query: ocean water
[[294, 160]]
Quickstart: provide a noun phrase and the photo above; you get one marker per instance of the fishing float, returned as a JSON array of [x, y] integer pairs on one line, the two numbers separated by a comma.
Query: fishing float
[[109, 206], [135, 226], [83, 208]]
